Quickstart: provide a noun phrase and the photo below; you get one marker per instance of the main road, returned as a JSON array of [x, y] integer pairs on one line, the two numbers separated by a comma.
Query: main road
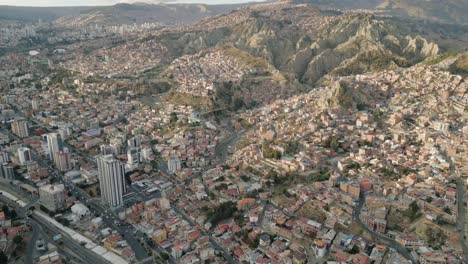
[[461, 204]]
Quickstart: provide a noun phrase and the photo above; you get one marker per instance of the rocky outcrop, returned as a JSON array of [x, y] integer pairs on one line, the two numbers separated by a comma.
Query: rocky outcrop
[[342, 95]]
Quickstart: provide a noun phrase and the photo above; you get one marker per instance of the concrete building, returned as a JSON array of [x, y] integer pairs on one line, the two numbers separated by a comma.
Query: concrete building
[[107, 150], [375, 223], [52, 196], [20, 128], [54, 144], [24, 155], [80, 209], [7, 171], [352, 189], [62, 161], [111, 180], [35, 104], [320, 248], [133, 142], [174, 165], [4, 156]]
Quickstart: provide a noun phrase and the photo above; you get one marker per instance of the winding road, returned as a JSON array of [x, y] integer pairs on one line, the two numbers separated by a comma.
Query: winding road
[[378, 237]]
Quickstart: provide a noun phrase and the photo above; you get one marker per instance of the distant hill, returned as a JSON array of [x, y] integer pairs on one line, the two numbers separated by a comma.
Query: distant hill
[[448, 11], [33, 14], [117, 14]]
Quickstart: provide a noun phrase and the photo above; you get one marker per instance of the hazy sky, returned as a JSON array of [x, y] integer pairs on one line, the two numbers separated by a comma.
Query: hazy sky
[[105, 2]]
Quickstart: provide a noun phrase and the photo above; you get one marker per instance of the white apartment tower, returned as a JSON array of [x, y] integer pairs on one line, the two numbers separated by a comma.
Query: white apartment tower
[[111, 174], [24, 155]]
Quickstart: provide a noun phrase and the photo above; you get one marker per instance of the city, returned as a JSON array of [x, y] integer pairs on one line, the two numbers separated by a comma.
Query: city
[[278, 132]]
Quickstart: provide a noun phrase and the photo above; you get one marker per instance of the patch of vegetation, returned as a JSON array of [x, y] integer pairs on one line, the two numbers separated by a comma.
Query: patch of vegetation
[[245, 57], [3, 258], [332, 142], [323, 175], [60, 75], [185, 99], [10, 214], [245, 178], [173, 119], [460, 66], [435, 237], [222, 212], [222, 186], [447, 211], [269, 152], [374, 62], [238, 104], [245, 124], [439, 57], [18, 239], [413, 211], [354, 250], [88, 50], [354, 166], [388, 173], [292, 147]]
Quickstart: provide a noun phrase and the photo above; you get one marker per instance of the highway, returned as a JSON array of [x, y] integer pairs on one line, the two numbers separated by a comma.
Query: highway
[[85, 254], [43, 228]]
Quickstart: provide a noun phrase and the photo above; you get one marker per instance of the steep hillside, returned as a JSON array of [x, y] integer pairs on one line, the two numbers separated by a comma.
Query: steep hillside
[[260, 53], [460, 66], [300, 43]]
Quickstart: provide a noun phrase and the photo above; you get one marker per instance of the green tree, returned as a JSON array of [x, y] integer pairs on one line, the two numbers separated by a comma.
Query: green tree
[[173, 118], [354, 250], [238, 104], [448, 211], [3, 258], [269, 152], [223, 211], [164, 256], [13, 214], [413, 211], [17, 239], [6, 209]]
